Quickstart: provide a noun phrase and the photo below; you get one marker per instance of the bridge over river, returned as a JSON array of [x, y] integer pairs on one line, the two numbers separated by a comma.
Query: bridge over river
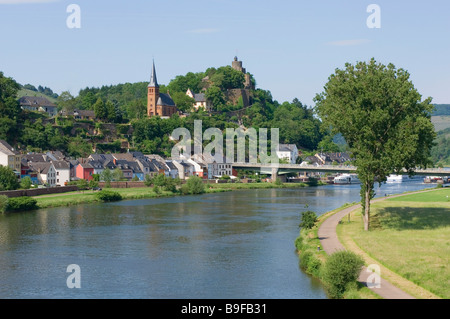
[[281, 169]]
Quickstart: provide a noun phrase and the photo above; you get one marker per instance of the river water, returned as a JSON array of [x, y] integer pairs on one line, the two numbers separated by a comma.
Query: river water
[[233, 245]]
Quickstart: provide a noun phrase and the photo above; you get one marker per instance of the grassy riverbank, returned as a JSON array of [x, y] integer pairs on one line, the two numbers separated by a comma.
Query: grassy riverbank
[[85, 197], [312, 260], [409, 239]]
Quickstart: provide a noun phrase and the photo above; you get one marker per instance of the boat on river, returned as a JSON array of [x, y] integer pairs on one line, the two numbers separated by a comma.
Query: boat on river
[[347, 179]]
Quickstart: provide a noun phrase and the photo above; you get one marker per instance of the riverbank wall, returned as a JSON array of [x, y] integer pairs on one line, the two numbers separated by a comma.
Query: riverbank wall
[[39, 191]]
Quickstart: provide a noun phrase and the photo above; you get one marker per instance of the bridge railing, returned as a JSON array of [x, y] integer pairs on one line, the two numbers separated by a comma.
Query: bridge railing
[[336, 168]]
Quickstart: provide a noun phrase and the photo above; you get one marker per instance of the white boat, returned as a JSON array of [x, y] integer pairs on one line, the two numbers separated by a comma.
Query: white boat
[[347, 179], [395, 178], [400, 178]]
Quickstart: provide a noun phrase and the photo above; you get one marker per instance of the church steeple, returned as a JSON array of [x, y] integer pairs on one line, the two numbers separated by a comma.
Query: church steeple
[[152, 94], [153, 80]]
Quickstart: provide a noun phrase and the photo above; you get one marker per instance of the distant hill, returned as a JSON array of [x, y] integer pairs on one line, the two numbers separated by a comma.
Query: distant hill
[[441, 109], [26, 92], [441, 122]]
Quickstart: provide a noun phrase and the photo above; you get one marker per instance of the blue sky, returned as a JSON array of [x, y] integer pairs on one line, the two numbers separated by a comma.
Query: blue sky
[[290, 46]]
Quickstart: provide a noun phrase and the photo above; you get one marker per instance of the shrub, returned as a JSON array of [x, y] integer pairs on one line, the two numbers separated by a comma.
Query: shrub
[[299, 243], [21, 203], [157, 189], [194, 185], [148, 181], [314, 266], [26, 183], [309, 219], [108, 196], [304, 260], [341, 269], [3, 203], [82, 184]]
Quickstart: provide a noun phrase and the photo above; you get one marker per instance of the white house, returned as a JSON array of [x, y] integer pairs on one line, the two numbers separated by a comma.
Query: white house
[[288, 152], [185, 169], [217, 170], [9, 156], [62, 169], [46, 172], [172, 169], [200, 100], [198, 170]]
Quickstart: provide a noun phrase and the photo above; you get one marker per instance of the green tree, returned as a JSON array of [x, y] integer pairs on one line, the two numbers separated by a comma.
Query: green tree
[[226, 77], [183, 102], [100, 109], [309, 219], [117, 174], [66, 102], [148, 180], [78, 147], [110, 111], [82, 184], [93, 184], [26, 182], [107, 176], [10, 110], [217, 98], [8, 179], [381, 116], [182, 83]]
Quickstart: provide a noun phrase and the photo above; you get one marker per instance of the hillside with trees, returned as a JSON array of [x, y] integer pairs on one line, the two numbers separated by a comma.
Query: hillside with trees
[[122, 122]]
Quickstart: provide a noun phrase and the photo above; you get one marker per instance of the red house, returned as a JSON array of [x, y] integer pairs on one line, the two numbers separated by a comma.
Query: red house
[[84, 171]]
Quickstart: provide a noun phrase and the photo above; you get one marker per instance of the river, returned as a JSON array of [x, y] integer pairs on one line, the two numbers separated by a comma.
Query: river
[[233, 245]]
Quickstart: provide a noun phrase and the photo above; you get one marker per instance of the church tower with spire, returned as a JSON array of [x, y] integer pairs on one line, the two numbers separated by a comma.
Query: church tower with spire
[[152, 93], [160, 104]]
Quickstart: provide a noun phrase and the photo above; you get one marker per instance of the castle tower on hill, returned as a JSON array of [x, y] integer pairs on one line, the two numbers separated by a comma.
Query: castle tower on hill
[[158, 104], [237, 65]]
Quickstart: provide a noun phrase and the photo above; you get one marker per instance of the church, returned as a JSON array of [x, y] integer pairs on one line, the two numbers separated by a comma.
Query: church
[[158, 104]]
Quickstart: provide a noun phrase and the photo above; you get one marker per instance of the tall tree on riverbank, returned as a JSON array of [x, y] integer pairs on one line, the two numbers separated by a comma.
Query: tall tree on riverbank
[[382, 117]]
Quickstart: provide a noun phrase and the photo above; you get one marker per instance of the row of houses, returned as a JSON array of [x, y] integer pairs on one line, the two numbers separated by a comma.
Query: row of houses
[[43, 105], [54, 169]]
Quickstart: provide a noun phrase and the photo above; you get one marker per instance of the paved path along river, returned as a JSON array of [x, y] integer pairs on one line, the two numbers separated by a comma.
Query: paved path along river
[[330, 243]]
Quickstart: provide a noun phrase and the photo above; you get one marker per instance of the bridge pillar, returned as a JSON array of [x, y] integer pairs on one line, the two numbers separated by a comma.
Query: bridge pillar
[[274, 174]]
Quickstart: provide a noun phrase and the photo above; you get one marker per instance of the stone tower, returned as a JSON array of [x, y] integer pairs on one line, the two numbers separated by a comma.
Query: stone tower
[[237, 65], [152, 93]]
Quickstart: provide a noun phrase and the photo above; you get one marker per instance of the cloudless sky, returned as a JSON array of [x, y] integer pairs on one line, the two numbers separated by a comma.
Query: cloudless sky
[[290, 46]]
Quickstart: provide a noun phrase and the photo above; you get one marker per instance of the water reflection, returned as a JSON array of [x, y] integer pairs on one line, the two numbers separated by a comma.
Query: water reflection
[[226, 245]]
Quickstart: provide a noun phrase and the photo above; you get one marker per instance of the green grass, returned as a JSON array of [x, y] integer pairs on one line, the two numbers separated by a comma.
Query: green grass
[[86, 197], [436, 196], [409, 238]]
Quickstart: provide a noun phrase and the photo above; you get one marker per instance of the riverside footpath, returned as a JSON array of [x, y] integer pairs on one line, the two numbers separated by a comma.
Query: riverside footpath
[[330, 244]]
